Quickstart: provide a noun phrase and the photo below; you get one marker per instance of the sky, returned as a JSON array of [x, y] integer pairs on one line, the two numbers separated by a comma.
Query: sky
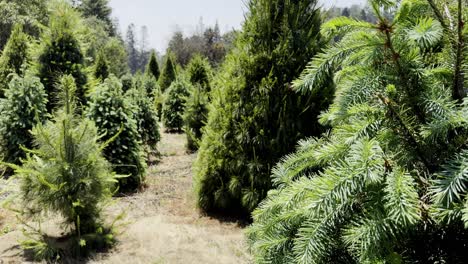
[[163, 17]]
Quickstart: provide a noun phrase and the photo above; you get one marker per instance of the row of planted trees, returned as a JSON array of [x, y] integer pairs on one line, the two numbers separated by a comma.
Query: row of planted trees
[[73, 133], [379, 174]]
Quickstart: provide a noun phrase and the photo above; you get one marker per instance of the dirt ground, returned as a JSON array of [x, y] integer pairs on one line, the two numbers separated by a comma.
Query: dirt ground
[[161, 223]]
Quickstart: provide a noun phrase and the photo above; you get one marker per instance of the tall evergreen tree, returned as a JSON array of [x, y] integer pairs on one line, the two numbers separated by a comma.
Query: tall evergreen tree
[[14, 57], [196, 109], [168, 74], [61, 54], [113, 115], [132, 51], [255, 117], [101, 69], [153, 68], [99, 9], [387, 184]]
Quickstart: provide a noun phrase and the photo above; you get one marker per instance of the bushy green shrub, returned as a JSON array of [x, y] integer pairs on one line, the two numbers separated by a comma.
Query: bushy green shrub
[[196, 110], [23, 108], [112, 112], [168, 74], [174, 105], [255, 118], [14, 57], [66, 175], [387, 184], [61, 54], [146, 117]]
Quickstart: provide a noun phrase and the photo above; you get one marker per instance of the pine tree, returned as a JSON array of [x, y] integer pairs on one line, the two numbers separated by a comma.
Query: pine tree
[[153, 68], [127, 82], [386, 184], [174, 105], [101, 69], [168, 74], [255, 118], [196, 109], [23, 108], [99, 9], [113, 115], [65, 175], [14, 57], [61, 54], [146, 117]]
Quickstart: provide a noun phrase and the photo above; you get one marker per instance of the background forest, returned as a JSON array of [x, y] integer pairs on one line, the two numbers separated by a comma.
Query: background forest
[[336, 135]]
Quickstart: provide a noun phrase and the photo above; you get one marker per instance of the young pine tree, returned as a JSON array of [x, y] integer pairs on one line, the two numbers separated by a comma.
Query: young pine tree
[[152, 69], [174, 105], [113, 115], [66, 175], [127, 82], [61, 54], [101, 68], [23, 108], [196, 109], [168, 74], [387, 184], [146, 117], [255, 117], [14, 57]]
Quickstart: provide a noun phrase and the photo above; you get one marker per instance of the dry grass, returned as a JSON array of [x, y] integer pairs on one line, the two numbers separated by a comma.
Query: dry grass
[[162, 224]]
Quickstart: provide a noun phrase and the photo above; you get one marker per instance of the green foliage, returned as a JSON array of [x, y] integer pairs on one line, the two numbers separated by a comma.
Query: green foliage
[[31, 14], [199, 72], [196, 113], [391, 171], [112, 113], [174, 105], [168, 74], [153, 68], [127, 82], [99, 9], [101, 69], [146, 116], [65, 175], [23, 108], [195, 116], [254, 117], [14, 56], [61, 54], [115, 52]]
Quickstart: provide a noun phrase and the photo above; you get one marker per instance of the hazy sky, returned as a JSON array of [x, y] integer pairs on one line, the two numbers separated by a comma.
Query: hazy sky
[[162, 17]]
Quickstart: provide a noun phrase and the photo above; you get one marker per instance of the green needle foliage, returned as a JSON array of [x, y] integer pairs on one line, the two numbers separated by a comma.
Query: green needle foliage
[[61, 54], [196, 109], [14, 57], [101, 69], [195, 116], [113, 115], [254, 117], [387, 183], [146, 117], [66, 175], [152, 69], [174, 105], [168, 74], [23, 108]]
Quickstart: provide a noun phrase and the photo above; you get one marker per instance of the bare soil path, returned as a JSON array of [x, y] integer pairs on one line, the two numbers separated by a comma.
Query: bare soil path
[[161, 224]]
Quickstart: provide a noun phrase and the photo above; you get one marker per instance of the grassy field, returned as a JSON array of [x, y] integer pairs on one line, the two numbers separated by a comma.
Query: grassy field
[[161, 223]]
